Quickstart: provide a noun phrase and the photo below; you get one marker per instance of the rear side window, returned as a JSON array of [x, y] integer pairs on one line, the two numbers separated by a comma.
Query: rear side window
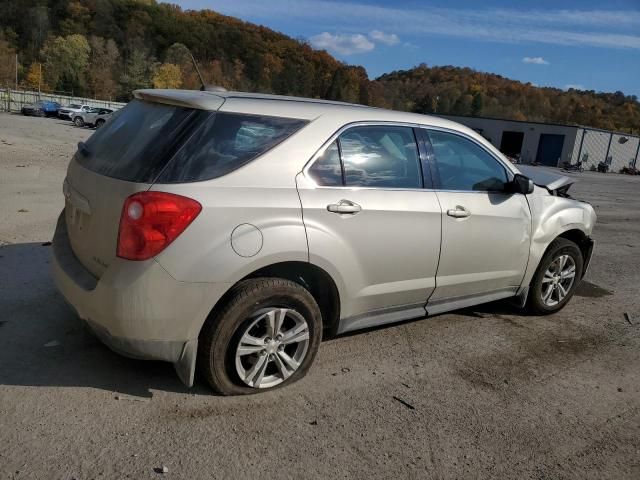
[[226, 142], [327, 169], [370, 156]]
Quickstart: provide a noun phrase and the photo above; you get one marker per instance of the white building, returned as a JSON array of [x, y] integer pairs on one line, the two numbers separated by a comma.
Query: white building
[[553, 144]]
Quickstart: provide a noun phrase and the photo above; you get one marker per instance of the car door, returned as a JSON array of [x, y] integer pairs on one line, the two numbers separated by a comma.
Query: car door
[[372, 224], [486, 231]]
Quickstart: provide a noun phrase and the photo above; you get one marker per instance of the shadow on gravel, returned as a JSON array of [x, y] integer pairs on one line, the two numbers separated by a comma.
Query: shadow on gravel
[[43, 342]]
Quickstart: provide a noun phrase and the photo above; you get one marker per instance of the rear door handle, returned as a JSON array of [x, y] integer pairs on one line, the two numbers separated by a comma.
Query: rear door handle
[[344, 206], [458, 212]]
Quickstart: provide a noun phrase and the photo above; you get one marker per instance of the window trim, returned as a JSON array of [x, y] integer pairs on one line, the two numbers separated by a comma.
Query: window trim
[[348, 126], [433, 161]]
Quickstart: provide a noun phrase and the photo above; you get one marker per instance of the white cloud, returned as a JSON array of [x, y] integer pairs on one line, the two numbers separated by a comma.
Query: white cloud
[[535, 60], [594, 28], [382, 37], [575, 87], [345, 44]]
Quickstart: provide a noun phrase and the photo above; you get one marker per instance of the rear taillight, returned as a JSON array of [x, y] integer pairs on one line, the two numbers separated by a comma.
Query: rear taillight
[[150, 221]]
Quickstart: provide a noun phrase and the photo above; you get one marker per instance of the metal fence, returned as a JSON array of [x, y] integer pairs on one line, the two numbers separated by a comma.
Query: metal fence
[[13, 100], [615, 149]]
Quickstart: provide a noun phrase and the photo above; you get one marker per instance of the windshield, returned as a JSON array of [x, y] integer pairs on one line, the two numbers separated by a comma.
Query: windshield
[[74, 105]]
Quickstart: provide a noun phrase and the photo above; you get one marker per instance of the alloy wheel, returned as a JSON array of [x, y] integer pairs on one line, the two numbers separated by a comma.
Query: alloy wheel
[[558, 280], [272, 347]]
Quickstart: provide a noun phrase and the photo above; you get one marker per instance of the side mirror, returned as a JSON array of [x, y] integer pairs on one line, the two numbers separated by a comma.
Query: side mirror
[[520, 184]]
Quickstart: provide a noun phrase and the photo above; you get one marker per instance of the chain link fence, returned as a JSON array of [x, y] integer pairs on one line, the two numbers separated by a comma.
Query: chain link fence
[[615, 149], [13, 100]]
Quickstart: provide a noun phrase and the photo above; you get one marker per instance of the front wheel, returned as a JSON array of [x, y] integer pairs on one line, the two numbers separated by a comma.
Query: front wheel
[[556, 278], [78, 122], [265, 336]]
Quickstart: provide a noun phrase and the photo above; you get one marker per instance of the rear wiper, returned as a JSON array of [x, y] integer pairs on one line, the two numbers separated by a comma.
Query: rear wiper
[[83, 149]]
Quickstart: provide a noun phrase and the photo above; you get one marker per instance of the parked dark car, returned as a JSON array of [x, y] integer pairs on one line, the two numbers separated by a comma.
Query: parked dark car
[[41, 108]]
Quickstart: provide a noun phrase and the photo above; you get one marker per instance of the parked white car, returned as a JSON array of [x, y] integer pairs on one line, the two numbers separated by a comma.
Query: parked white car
[[226, 231], [94, 117], [68, 111]]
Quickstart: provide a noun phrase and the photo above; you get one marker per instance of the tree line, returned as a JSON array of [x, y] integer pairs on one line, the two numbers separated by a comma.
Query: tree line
[[108, 48]]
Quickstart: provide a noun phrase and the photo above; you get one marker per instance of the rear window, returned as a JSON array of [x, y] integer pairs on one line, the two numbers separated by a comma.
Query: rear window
[[148, 142]]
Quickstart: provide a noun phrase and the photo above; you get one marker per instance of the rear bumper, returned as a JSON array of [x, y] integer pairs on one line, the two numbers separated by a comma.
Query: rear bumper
[[136, 308]]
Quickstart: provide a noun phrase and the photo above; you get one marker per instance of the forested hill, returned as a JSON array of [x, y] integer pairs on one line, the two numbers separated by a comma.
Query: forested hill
[[462, 91], [108, 48]]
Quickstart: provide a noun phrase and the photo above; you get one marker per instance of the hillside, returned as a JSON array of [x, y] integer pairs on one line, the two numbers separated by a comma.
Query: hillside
[[462, 91], [107, 48]]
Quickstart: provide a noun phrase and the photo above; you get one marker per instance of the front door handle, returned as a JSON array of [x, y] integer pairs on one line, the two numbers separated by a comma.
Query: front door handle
[[458, 212], [344, 206]]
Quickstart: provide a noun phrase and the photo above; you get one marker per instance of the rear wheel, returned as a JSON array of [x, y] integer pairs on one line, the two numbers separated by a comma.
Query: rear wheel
[[556, 278], [265, 336], [99, 123], [78, 121]]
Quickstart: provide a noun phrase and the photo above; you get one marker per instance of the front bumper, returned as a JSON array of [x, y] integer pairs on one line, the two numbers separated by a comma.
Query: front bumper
[[136, 308], [587, 252]]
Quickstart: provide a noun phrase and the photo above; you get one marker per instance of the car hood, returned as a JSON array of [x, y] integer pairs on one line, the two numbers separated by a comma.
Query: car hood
[[547, 178]]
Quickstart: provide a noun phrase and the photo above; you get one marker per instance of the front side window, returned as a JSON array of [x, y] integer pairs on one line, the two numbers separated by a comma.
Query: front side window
[[370, 156], [464, 165]]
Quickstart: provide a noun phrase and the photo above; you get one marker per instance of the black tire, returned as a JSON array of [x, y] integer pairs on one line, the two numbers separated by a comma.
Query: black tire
[[99, 123], [221, 332], [78, 122], [560, 246]]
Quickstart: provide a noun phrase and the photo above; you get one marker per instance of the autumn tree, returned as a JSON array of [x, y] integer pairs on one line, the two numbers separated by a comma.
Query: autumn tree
[[167, 75], [7, 63], [102, 66], [33, 80]]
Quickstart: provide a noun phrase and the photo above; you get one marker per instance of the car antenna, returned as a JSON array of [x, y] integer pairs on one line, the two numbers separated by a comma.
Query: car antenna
[[204, 87]]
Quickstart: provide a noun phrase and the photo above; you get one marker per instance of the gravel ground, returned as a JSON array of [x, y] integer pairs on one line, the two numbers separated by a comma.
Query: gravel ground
[[484, 392]]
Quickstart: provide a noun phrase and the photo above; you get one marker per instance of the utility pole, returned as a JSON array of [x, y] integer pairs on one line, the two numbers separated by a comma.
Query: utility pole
[[16, 71], [39, 79]]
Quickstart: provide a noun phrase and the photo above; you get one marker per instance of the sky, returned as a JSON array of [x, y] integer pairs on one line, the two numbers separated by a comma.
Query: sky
[[586, 44]]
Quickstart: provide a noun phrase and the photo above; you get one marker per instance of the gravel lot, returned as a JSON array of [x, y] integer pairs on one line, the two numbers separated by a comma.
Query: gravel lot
[[483, 393]]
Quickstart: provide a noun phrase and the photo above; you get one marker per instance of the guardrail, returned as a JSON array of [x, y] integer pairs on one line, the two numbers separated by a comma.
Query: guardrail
[[13, 100]]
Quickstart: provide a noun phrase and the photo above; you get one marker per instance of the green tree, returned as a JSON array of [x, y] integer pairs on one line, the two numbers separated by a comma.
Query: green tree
[[66, 62]]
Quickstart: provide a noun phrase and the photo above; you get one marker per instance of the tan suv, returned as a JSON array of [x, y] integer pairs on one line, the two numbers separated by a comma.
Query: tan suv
[[226, 231]]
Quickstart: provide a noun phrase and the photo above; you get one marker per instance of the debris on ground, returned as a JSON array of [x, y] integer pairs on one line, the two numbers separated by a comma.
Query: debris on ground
[[23, 210], [162, 469], [314, 423], [405, 403], [132, 398], [628, 318], [52, 343], [46, 244]]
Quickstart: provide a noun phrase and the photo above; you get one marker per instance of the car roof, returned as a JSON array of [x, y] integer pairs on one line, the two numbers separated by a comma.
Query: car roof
[[287, 106]]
